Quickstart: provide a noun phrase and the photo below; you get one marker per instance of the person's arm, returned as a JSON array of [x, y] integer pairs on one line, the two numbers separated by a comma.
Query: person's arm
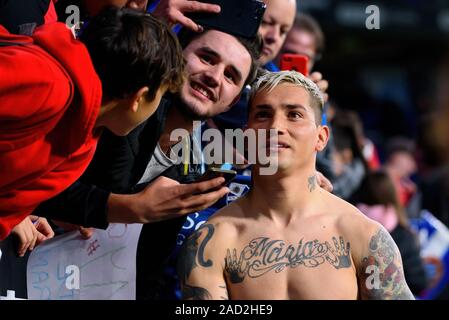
[[81, 204], [380, 271], [200, 268], [88, 206]]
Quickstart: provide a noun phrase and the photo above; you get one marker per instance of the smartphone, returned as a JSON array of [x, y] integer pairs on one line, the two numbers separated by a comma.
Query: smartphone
[[237, 17], [296, 62], [212, 173]]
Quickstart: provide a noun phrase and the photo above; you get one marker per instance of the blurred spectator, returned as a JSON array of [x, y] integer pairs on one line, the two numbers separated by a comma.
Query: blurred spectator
[[401, 166], [377, 199], [349, 164], [276, 23], [305, 38]]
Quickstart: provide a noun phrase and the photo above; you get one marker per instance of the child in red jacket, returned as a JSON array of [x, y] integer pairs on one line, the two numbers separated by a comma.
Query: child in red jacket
[[56, 94]]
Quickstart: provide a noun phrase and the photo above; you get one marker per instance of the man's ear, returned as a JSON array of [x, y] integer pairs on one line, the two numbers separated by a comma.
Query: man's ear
[[323, 138], [138, 97]]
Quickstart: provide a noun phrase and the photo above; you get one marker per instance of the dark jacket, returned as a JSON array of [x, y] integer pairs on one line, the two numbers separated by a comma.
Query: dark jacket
[[414, 270], [118, 165]]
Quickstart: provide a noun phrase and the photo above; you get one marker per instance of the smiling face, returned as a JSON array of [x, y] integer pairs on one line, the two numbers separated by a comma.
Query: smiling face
[[276, 22], [287, 109], [217, 65]]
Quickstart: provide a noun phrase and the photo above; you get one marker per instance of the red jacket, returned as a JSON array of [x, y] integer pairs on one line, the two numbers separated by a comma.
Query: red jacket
[[50, 97]]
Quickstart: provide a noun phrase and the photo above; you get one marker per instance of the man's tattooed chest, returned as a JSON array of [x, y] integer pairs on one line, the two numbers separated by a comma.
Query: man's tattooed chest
[[263, 255]]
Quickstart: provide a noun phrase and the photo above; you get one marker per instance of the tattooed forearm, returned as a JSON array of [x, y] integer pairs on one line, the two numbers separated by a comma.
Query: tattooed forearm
[[263, 255], [191, 253], [381, 272]]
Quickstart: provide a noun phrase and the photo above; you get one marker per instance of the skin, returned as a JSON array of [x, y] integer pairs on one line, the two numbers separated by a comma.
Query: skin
[[276, 23], [170, 10], [288, 238], [31, 232], [122, 116], [219, 65], [300, 42]]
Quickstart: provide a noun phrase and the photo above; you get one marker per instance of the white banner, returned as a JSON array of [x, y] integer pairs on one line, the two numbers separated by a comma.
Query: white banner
[[101, 268]]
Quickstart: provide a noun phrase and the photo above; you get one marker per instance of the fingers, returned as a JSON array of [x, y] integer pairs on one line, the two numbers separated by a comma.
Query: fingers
[[194, 6], [25, 234], [174, 11], [178, 17], [24, 241], [323, 84], [86, 233], [44, 228], [33, 239], [200, 187], [203, 201], [137, 4], [316, 76], [324, 182]]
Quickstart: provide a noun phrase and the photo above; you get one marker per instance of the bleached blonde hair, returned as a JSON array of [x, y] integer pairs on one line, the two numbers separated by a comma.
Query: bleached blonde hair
[[270, 80]]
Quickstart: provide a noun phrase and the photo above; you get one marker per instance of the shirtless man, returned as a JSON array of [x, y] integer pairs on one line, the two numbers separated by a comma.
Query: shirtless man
[[288, 238]]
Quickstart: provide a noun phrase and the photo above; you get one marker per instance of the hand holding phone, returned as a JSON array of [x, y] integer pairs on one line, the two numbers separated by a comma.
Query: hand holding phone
[[212, 173], [237, 17], [295, 62]]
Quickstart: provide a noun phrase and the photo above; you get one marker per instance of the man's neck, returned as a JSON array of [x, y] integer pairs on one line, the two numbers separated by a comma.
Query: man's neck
[[284, 196], [176, 119]]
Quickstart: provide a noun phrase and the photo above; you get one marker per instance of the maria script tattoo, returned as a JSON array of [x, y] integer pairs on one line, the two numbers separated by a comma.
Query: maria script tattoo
[[381, 272], [263, 255], [192, 255]]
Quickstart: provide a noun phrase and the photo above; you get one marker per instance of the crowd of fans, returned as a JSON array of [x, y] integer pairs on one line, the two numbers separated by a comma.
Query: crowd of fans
[[86, 124]]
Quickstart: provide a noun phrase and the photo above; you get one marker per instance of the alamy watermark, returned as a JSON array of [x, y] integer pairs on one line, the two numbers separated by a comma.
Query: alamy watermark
[[238, 147], [72, 280], [372, 22]]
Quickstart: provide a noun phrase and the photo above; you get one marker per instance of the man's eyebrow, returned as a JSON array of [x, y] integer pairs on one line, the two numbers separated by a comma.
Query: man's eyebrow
[[263, 107], [216, 55], [210, 51], [292, 106]]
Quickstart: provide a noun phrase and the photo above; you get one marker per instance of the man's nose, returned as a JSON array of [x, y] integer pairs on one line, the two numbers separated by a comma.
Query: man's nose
[[212, 76], [272, 35], [278, 124]]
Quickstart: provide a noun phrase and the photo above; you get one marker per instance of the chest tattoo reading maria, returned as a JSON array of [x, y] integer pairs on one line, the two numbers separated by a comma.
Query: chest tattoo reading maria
[[263, 255]]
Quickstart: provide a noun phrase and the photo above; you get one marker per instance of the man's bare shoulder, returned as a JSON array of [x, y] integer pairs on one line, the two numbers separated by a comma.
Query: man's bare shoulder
[[229, 217], [350, 221]]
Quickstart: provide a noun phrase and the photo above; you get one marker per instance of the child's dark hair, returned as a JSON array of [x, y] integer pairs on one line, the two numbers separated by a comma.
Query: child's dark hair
[[131, 49], [252, 45]]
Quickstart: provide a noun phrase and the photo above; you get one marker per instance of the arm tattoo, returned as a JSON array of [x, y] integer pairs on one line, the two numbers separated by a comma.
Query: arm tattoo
[[263, 255], [187, 261], [312, 183], [381, 273]]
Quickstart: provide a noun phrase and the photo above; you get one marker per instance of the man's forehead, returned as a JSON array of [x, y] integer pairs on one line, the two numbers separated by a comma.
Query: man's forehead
[[215, 38], [227, 47], [281, 95]]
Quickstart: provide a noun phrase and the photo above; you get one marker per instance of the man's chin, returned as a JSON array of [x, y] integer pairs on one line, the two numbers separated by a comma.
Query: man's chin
[[194, 109]]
